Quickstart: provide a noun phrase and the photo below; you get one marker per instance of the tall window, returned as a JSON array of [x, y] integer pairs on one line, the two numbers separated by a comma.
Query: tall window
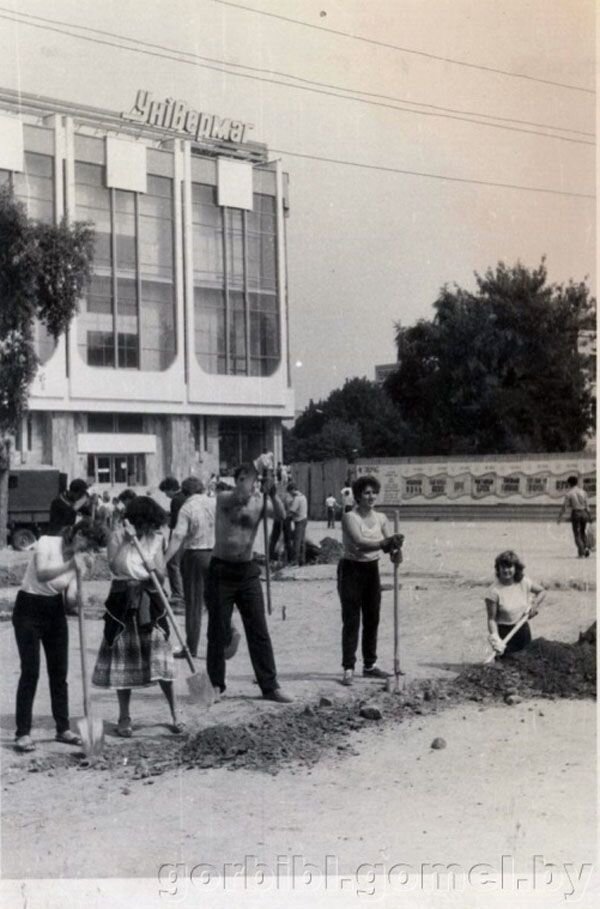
[[236, 314], [35, 188], [128, 320]]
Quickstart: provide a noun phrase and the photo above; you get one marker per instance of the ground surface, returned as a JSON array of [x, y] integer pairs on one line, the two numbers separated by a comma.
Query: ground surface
[[514, 781]]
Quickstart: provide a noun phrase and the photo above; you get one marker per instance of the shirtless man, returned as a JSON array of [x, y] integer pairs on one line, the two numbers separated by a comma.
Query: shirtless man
[[234, 580]]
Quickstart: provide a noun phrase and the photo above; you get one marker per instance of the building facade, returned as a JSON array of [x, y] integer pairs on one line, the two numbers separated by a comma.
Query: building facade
[[177, 361]]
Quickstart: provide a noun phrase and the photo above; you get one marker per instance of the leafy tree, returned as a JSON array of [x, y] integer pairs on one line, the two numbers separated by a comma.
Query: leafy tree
[[357, 418], [498, 370], [43, 271], [337, 439]]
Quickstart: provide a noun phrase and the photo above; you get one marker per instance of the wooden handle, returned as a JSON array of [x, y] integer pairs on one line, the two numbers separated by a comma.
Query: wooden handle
[[396, 621], [267, 565], [82, 647]]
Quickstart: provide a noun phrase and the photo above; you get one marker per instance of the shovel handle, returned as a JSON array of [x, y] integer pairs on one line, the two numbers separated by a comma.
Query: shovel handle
[[267, 564], [82, 647], [510, 634], [397, 670], [163, 598]]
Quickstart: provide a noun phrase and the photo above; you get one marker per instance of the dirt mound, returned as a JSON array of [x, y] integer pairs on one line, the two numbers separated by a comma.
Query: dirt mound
[[546, 668], [330, 551]]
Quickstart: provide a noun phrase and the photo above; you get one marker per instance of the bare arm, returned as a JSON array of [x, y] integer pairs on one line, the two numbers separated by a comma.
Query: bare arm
[[492, 613], [46, 572], [352, 529]]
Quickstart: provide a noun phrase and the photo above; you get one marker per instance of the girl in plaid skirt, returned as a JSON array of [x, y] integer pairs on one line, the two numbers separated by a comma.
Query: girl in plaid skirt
[[135, 649]]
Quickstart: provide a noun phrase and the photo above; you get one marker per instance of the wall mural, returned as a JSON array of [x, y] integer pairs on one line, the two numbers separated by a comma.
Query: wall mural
[[487, 481]]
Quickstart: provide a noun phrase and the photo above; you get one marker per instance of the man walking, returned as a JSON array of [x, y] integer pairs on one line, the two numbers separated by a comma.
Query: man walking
[[576, 501], [331, 505], [234, 580]]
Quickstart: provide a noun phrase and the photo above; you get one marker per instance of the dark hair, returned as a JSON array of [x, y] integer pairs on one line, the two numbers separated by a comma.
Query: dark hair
[[572, 481], [192, 485], [291, 487], [78, 488], [127, 496], [94, 531], [145, 514], [508, 557], [247, 468], [169, 484], [362, 483]]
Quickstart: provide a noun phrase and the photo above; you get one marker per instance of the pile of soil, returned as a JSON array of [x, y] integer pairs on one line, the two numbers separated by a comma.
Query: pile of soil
[[330, 551], [545, 668]]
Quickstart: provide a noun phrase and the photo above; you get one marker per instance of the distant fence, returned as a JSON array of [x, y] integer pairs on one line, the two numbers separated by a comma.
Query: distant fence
[[479, 487], [317, 480]]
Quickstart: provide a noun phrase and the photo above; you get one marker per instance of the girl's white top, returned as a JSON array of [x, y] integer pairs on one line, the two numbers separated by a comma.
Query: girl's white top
[[511, 599], [50, 550], [128, 564], [370, 529]]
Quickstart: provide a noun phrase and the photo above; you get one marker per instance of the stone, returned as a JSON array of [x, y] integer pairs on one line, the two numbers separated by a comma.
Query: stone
[[438, 743], [370, 713]]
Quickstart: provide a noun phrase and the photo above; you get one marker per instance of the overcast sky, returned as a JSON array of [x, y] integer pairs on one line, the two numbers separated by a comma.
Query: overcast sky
[[368, 245]]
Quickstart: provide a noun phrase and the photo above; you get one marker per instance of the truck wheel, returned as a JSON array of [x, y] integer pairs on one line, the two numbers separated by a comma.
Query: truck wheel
[[22, 538]]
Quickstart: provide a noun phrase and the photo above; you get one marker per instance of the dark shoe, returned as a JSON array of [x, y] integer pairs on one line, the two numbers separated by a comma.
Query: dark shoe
[[124, 729], [67, 738], [231, 649], [374, 672], [278, 696], [587, 553]]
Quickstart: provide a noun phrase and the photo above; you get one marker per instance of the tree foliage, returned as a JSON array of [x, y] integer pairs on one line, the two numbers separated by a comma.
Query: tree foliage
[[498, 370], [357, 419], [43, 270]]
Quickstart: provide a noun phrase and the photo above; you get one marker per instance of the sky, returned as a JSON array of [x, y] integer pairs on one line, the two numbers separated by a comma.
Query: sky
[[402, 205]]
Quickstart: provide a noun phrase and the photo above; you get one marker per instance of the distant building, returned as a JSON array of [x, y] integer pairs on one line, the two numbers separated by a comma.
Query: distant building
[[177, 361]]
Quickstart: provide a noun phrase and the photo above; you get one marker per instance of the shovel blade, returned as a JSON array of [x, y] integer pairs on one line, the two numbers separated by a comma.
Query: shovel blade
[[200, 689], [91, 732]]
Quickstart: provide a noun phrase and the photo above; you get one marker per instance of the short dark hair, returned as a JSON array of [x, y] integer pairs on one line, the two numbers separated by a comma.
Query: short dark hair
[[94, 531], [192, 485], [169, 484], [145, 514], [509, 557], [359, 486], [247, 467], [572, 480], [78, 488]]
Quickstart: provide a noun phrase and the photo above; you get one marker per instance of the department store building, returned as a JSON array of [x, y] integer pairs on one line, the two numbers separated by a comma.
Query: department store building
[[177, 361]]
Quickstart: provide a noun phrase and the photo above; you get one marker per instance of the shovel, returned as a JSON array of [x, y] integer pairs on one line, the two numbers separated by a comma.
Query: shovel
[[199, 685], [91, 729], [397, 671]]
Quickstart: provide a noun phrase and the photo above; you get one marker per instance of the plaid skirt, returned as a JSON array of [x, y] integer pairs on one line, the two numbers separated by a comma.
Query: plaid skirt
[[138, 657]]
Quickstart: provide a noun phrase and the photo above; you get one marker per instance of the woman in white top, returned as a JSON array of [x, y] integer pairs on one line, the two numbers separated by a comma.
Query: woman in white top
[[508, 600], [39, 618], [135, 651], [365, 533]]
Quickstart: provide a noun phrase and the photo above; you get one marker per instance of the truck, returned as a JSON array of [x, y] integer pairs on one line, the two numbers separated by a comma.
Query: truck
[[30, 493]]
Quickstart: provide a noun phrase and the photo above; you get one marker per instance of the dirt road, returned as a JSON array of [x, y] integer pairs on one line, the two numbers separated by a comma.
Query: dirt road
[[517, 781]]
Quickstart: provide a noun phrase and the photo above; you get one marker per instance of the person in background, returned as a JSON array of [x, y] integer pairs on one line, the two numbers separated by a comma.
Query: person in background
[[347, 498], [331, 505], [121, 503], [56, 567], [170, 487], [264, 463], [297, 510], [576, 503], [67, 507], [135, 651], [105, 509]]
